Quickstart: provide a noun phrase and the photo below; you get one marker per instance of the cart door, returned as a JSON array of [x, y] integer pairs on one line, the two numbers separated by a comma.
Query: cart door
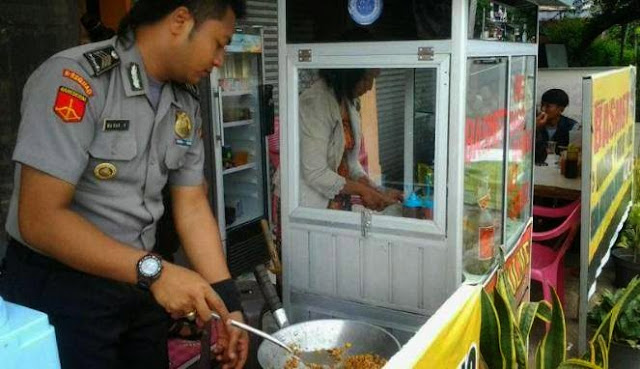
[[344, 258]]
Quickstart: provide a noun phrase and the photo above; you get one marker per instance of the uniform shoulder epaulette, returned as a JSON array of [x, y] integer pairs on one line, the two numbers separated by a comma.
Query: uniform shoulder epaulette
[[191, 89], [102, 60]]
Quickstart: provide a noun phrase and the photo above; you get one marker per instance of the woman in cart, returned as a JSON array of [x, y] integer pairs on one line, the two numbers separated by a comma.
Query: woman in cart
[[330, 143]]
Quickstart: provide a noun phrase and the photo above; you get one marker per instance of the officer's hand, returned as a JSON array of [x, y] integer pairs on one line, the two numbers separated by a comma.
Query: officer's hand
[[232, 346], [181, 291]]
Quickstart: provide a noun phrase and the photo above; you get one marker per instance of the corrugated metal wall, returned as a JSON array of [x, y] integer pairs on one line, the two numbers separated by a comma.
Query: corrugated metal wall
[[390, 90], [264, 13]]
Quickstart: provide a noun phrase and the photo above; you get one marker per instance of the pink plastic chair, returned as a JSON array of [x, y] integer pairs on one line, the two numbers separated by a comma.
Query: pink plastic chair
[[547, 262]]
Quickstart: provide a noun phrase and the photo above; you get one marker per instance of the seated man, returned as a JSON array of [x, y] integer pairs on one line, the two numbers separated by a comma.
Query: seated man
[[551, 125]]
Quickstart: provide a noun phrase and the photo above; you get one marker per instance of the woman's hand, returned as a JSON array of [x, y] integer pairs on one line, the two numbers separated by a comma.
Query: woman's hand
[[374, 200], [394, 194]]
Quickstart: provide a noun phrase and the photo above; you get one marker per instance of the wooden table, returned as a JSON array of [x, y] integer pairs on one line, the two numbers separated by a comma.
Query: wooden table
[[548, 182]]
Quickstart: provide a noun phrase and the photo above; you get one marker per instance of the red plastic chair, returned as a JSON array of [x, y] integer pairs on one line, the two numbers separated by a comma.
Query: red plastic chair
[[547, 262]]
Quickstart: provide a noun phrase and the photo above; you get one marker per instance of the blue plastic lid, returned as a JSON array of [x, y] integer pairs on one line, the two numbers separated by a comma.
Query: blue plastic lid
[[427, 204], [3, 312], [413, 201]]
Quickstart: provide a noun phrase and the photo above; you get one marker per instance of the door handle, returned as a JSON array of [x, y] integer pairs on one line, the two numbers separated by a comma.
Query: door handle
[[220, 133], [365, 223]]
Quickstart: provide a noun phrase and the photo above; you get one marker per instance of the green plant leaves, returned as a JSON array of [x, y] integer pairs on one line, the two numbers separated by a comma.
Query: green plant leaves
[[553, 347], [578, 364], [608, 327], [490, 334]]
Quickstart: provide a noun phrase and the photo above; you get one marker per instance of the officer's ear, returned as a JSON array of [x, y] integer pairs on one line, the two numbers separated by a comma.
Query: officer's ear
[[181, 21]]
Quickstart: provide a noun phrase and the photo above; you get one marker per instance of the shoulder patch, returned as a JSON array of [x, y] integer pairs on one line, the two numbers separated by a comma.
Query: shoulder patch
[[70, 105], [72, 75], [191, 89], [102, 60]]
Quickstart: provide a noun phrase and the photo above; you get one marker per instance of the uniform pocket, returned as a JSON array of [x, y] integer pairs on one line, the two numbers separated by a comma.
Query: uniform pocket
[[114, 146], [175, 156]]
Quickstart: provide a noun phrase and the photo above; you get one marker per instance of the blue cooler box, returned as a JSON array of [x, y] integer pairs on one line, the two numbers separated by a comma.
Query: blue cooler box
[[27, 340]]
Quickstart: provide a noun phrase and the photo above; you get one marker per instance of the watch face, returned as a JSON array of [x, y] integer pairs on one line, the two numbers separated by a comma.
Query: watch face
[[365, 12], [150, 267]]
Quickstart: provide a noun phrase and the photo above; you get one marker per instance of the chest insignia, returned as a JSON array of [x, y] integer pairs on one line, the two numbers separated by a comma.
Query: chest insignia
[[103, 60], [134, 77], [183, 125], [105, 171], [115, 125]]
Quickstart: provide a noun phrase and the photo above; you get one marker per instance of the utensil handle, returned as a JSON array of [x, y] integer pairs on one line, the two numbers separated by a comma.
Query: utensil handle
[[257, 332]]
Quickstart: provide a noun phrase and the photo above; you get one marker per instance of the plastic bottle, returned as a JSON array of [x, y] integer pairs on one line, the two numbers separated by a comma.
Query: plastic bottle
[[486, 227], [411, 206]]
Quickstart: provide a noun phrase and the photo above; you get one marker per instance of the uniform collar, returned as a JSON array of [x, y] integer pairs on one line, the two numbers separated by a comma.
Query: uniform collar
[[134, 75]]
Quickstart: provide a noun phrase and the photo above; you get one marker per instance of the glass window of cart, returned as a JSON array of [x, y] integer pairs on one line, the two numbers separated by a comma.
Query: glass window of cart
[[367, 140], [484, 163], [520, 154], [508, 20]]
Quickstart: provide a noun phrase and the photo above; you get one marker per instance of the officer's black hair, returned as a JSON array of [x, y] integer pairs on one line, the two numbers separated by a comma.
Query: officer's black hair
[[146, 12], [555, 96]]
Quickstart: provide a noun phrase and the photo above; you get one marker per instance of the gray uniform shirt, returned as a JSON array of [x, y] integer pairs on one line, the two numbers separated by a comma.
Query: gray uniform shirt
[[87, 120]]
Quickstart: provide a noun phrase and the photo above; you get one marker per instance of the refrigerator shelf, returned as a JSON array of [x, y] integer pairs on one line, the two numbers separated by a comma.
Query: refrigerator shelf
[[237, 123], [238, 169]]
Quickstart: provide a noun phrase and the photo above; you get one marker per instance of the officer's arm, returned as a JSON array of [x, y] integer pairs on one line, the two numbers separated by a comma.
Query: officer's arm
[[48, 224], [199, 232]]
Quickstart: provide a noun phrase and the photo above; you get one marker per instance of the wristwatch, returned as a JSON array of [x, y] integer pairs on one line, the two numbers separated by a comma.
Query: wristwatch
[[149, 268]]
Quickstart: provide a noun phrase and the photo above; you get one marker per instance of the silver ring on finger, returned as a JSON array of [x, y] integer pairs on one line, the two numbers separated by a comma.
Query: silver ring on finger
[[191, 315]]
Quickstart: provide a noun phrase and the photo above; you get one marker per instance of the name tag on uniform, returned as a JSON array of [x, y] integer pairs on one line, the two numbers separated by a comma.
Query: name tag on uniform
[[115, 125], [183, 142]]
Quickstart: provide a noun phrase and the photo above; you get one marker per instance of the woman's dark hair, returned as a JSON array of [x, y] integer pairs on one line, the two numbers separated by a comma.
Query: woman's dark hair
[[555, 96], [146, 12], [342, 81]]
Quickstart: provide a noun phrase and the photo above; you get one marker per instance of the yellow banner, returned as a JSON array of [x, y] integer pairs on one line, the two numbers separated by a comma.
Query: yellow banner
[[457, 345], [611, 149], [450, 339]]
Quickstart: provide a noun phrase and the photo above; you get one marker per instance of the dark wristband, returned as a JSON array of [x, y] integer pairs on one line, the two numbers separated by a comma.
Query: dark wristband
[[229, 294]]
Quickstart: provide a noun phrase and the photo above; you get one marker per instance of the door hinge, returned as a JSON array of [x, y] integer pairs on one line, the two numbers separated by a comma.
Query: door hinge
[[304, 55], [365, 223], [425, 53]]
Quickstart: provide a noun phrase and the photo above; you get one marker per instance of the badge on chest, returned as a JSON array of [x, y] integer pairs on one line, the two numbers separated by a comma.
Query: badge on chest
[[183, 128]]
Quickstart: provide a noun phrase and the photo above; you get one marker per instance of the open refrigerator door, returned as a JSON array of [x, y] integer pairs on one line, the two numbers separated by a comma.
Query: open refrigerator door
[[239, 129]]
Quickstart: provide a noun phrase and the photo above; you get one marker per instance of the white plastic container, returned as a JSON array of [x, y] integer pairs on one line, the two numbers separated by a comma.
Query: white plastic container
[[27, 340]]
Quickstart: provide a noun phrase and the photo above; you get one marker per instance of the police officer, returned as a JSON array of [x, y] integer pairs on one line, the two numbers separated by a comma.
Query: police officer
[[104, 127]]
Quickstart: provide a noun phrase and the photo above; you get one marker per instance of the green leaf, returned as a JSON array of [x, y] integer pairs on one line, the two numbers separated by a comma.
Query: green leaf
[[544, 311], [553, 351], [578, 364], [604, 352], [539, 354], [507, 332], [608, 325], [490, 334], [522, 352], [526, 316]]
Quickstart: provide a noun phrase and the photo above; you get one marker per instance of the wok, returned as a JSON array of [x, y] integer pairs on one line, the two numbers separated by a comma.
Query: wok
[[316, 336]]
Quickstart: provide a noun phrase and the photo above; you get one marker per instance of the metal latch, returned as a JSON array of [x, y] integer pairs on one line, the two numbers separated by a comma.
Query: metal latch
[[425, 53], [304, 55], [365, 222]]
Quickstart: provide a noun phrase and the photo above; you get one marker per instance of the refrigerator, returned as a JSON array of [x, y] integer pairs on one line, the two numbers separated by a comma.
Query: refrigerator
[[242, 113]]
